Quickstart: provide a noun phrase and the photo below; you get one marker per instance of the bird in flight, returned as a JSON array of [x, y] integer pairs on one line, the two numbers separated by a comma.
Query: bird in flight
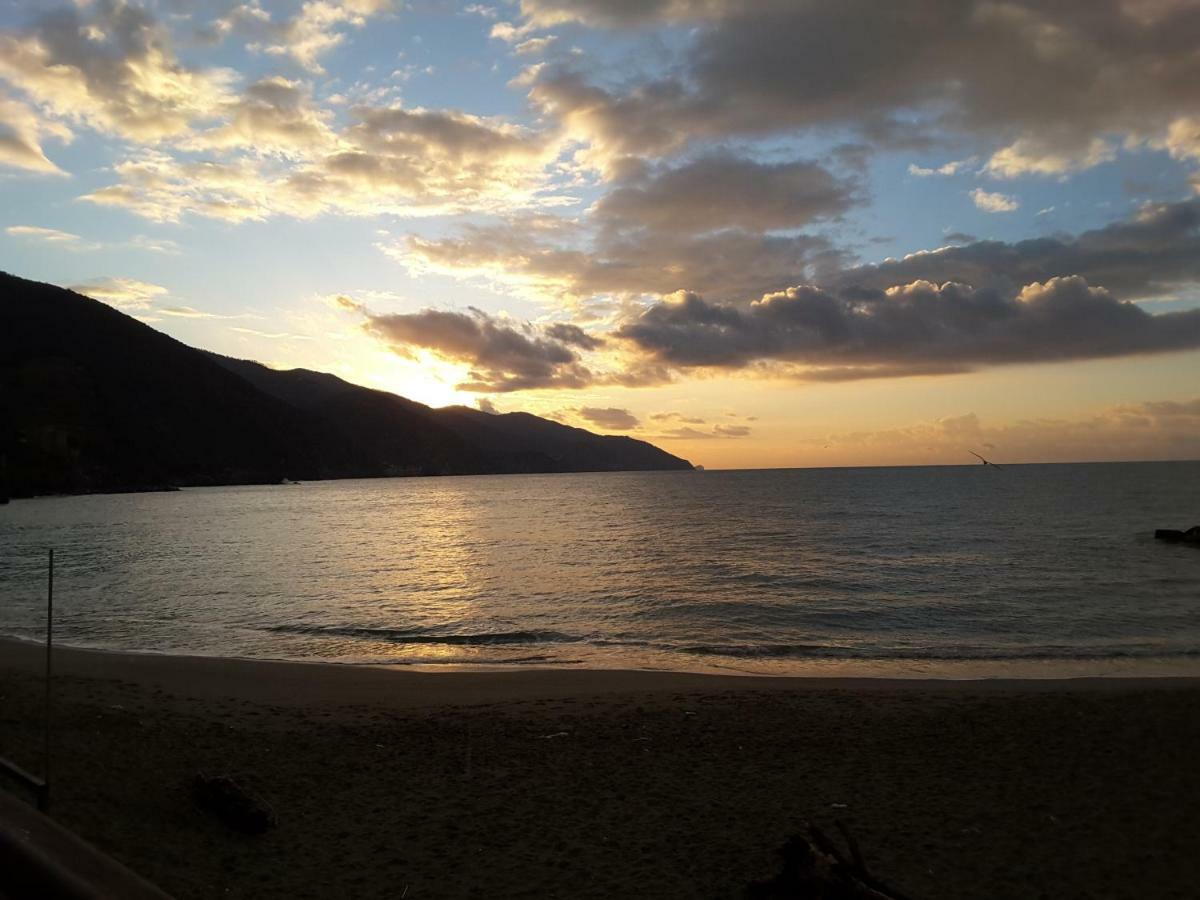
[[986, 462]]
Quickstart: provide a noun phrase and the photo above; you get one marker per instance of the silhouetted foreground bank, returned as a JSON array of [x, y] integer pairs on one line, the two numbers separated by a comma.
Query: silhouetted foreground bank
[[93, 400], [615, 784]]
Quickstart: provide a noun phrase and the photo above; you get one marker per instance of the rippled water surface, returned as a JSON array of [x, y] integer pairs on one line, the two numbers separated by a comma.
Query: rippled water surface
[[918, 570]]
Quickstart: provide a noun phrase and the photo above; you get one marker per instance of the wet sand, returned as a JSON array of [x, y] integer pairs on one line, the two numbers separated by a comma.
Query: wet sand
[[546, 783]]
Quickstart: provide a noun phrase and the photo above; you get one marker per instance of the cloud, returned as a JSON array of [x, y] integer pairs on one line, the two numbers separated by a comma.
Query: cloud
[[70, 241], [724, 191], [502, 356], [271, 335], [676, 417], [687, 433], [49, 235], [315, 30], [573, 335], [557, 259], [534, 46], [950, 168], [1154, 251], [622, 13], [1044, 81], [609, 418], [993, 202], [1183, 138], [123, 293], [710, 224], [21, 133], [1040, 156], [1151, 253], [917, 328], [189, 312], [960, 237], [389, 160], [272, 116], [111, 66], [978, 304]]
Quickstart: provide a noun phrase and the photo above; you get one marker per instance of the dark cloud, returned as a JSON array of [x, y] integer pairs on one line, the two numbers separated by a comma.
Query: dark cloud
[[724, 191], [573, 335], [950, 310], [687, 433], [960, 237], [676, 417], [1049, 82], [917, 328], [1156, 250], [503, 357], [610, 418]]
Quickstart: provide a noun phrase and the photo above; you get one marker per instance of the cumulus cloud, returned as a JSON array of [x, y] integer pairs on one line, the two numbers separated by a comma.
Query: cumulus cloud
[[318, 28], [409, 162], [502, 356], [609, 418], [110, 65], [123, 293], [273, 115], [917, 328], [992, 202], [1149, 254], [1044, 81], [1042, 156]]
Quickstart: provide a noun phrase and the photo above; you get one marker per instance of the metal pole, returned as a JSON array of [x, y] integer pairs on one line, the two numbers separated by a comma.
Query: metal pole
[[44, 798]]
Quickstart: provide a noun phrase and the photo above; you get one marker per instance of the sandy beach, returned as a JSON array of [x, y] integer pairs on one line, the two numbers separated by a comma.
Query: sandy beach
[[546, 783]]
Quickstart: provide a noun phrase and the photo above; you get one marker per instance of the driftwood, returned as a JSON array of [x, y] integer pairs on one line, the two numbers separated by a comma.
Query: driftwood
[[237, 806], [814, 868]]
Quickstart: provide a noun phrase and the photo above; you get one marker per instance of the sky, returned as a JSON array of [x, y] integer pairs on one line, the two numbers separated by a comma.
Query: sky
[[757, 234]]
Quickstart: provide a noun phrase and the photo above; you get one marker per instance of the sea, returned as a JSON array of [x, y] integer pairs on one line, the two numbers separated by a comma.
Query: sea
[[971, 572]]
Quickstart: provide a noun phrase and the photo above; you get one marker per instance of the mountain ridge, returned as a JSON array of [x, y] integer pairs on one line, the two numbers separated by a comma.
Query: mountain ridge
[[91, 400]]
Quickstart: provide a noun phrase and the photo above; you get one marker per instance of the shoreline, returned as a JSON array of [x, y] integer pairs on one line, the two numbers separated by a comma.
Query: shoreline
[[320, 683]]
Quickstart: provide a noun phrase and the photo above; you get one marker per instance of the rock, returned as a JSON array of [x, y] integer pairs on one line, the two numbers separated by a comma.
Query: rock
[[237, 806], [1191, 536]]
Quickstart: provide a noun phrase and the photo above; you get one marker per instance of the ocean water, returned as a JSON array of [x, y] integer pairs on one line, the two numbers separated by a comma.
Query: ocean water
[[951, 571]]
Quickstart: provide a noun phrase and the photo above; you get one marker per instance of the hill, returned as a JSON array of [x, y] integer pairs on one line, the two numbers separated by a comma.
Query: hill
[[93, 400]]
